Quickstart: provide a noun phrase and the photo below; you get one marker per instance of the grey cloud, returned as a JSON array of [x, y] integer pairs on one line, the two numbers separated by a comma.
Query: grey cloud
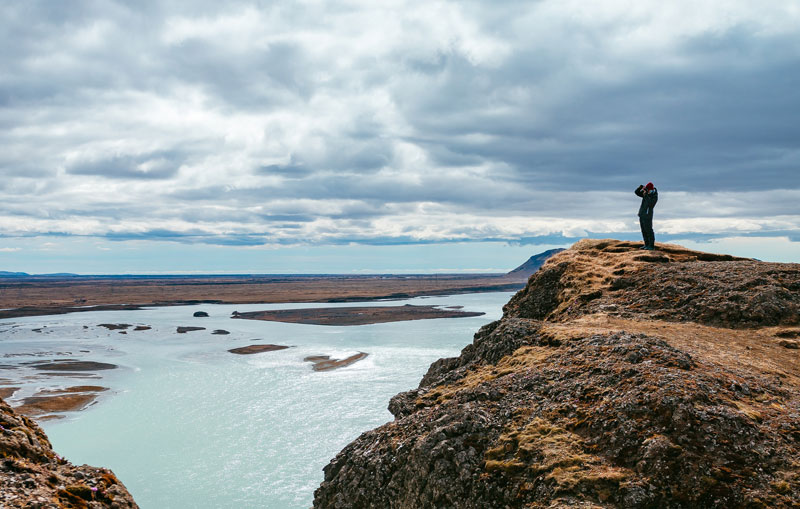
[[690, 127], [295, 218], [560, 113], [291, 170], [189, 237], [157, 165], [264, 79]]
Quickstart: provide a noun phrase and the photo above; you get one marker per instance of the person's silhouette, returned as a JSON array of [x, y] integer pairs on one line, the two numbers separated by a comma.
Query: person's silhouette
[[649, 195]]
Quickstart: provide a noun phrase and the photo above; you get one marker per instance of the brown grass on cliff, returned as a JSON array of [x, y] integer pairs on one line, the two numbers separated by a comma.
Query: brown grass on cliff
[[672, 283], [588, 268]]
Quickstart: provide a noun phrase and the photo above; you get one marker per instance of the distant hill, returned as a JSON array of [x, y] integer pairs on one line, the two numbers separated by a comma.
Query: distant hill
[[4, 273], [533, 263]]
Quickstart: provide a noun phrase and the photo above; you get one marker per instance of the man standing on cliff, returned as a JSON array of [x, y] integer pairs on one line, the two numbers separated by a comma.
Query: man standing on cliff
[[649, 195]]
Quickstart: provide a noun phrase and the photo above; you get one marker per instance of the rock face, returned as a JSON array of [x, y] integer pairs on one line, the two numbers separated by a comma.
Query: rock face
[[616, 378], [32, 475]]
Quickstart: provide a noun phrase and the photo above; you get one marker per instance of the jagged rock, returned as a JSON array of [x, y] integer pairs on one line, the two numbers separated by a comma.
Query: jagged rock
[[600, 388], [33, 475]]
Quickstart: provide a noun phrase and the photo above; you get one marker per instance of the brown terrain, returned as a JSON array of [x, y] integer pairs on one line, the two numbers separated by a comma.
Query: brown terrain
[[51, 403], [325, 363], [38, 295], [32, 475], [355, 315], [251, 349], [616, 378]]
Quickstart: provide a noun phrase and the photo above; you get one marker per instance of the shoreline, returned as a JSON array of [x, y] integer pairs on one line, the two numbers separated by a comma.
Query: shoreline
[[23, 297]]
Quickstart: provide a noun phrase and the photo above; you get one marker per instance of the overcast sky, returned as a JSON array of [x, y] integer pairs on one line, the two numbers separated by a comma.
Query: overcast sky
[[247, 132]]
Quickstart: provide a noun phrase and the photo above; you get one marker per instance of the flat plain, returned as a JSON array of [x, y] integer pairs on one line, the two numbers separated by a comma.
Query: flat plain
[[43, 295]]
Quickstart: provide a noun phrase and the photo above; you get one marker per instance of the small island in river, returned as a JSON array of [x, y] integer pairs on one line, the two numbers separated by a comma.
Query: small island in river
[[325, 363], [251, 349], [355, 315]]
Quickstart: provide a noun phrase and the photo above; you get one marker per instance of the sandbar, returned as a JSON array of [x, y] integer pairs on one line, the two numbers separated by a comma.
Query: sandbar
[[325, 363], [70, 366], [251, 349], [355, 315], [115, 326], [7, 392], [38, 405], [71, 390], [184, 330]]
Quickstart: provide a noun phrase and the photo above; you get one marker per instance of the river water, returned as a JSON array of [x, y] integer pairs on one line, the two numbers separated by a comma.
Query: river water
[[187, 424]]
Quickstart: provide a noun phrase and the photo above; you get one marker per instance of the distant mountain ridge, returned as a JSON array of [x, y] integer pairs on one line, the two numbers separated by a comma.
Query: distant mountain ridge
[[5, 273], [526, 269], [534, 262]]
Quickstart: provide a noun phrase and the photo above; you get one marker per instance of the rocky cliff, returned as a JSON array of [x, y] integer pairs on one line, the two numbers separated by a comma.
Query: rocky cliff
[[33, 476], [616, 378]]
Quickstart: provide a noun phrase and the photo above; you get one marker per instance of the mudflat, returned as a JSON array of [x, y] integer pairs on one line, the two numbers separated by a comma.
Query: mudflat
[[251, 349], [325, 363], [40, 295], [72, 365], [40, 405], [7, 392], [355, 315], [184, 330]]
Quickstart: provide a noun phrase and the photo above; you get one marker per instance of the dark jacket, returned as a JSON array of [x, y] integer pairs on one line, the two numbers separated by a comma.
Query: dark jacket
[[649, 200]]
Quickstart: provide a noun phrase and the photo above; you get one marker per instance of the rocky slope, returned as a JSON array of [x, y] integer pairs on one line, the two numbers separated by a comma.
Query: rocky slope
[[32, 475], [616, 378]]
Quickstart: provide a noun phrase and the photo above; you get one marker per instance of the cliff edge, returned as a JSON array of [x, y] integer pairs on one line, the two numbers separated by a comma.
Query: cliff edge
[[33, 476], [616, 378]]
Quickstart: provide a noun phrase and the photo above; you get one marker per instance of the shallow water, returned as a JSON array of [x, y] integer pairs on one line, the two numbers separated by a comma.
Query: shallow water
[[187, 424]]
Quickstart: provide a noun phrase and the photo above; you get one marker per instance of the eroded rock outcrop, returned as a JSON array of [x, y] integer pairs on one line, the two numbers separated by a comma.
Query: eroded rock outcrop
[[32, 475], [616, 378]]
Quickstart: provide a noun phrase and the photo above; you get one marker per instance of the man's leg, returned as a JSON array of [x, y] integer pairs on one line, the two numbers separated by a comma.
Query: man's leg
[[650, 236], [643, 226]]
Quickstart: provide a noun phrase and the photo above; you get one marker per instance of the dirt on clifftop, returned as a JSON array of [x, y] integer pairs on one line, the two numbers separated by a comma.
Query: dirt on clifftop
[[616, 378], [33, 476]]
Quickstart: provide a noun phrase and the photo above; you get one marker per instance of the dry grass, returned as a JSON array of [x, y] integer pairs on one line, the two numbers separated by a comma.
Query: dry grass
[[523, 358], [751, 349], [535, 447], [594, 264]]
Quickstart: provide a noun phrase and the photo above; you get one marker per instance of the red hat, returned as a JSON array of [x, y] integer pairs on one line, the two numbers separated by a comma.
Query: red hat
[[649, 186]]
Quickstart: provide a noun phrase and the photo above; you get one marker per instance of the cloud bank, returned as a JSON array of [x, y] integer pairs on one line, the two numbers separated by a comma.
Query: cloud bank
[[250, 123]]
